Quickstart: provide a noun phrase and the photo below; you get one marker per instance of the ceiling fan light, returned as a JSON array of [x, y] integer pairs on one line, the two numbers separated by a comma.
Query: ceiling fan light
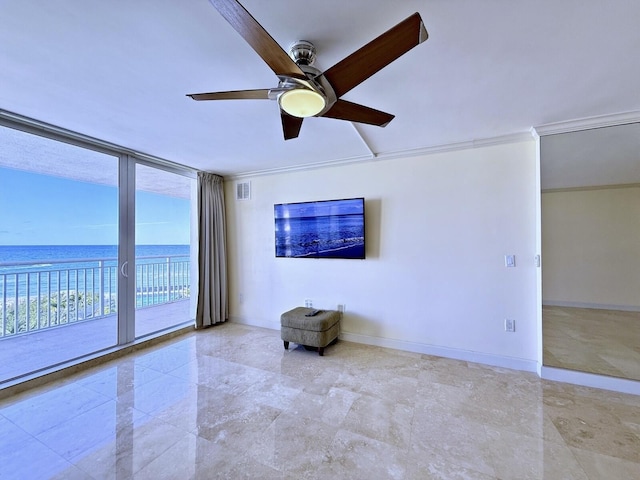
[[301, 102]]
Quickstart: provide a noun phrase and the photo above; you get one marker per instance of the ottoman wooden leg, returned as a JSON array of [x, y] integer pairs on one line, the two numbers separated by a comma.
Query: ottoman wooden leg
[[321, 351], [286, 345]]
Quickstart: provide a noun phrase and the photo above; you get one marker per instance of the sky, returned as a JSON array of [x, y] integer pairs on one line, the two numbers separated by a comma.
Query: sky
[[348, 206], [40, 209]]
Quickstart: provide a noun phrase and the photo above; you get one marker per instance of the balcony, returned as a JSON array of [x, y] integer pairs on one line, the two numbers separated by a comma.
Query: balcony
[[58, 311]]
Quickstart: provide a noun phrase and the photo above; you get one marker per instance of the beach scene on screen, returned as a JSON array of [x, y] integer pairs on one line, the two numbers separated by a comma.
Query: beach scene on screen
[[327, 229]]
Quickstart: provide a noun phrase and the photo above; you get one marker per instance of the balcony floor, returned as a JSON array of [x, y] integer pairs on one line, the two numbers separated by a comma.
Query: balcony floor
[[27, 353]]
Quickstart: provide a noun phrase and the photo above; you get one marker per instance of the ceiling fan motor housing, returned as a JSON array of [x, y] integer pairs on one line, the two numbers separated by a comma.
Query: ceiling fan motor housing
[[302, 52]]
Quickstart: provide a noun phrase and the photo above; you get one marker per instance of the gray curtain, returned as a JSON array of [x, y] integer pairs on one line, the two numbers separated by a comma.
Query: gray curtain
[[212, 255]]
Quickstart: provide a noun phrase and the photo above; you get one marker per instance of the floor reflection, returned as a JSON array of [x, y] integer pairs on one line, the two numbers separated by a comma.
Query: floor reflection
[[230, 402], [605, 342]]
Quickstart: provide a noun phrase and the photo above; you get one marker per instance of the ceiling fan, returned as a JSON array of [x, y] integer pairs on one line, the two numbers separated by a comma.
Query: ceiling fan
[[303, 90]]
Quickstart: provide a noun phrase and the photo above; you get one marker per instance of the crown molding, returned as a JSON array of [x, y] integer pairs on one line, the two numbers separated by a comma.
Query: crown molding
[[452, 147], [373, 157], [589, 123], [298, 168], [591, 187]]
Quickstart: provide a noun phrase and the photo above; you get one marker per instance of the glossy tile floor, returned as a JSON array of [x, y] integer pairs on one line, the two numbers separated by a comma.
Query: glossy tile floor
[[606, 342], [230, 403]]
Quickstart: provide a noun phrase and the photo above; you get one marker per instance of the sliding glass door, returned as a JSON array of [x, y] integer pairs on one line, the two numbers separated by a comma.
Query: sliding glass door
[[162, 250], [94, 250], [58, 252]]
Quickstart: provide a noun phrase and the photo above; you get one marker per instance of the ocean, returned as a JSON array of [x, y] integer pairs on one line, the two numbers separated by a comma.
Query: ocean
[[46, 253], [48, 269], [340, 236]]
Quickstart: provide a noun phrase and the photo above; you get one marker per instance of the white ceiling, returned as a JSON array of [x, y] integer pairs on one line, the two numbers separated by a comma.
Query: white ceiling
[[592, 157], [119, 70]]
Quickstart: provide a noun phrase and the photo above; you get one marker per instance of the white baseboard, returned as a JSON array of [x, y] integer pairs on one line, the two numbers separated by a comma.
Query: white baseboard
[[457, 354], [596, 306], [584, 379]]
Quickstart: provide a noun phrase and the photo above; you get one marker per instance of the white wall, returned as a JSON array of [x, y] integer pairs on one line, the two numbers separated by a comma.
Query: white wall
[[591, 248], [437, 229]]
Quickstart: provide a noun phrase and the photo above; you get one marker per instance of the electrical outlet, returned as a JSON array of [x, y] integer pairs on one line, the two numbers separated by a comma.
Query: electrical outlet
[[308, 303], [509, 325], [342, 307]]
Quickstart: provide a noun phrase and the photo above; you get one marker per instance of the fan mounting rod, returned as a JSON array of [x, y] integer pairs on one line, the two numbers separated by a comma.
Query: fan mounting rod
[[302, 52]]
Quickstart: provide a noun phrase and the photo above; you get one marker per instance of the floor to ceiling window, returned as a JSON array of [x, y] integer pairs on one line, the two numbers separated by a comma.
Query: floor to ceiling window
[[163, 260], [94, 250]]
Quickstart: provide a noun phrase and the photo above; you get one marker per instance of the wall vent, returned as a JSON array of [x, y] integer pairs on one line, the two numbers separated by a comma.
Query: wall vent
[[243, 191]]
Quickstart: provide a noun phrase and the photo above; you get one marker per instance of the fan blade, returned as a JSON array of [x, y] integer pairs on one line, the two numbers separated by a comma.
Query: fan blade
[[343, 110], [290, 125], [376, 55], [233, 95], [259, 39]]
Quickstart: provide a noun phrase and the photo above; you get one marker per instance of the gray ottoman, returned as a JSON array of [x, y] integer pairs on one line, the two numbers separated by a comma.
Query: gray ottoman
[[317, 331]]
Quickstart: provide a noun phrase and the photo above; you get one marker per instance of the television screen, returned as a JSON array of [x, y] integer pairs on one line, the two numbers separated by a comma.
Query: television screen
[[323, 229]]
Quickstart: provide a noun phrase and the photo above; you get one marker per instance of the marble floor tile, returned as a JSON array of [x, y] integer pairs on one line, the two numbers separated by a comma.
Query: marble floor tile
[[381, 420], [240, 424], [602, 466], [534, 458], [186, 413], [119, 379], [278, 392], [462, 442], [89, 430], [596, 426], [294, 444], [431, 466], [11, 433], [71, 473], [382, 384], [51, 407], [221, 374], [330, 407], [164, 359], [159, 394], [230, 403], [194, 457], [359, 457], [605, 342], [29, 458], [135, 447]]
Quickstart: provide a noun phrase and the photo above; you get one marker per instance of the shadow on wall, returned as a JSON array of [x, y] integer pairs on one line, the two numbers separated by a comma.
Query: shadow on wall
[[352, 323], [372, 215]]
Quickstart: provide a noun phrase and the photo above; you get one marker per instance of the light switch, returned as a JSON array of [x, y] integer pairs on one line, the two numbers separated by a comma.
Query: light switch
[[509, 260]]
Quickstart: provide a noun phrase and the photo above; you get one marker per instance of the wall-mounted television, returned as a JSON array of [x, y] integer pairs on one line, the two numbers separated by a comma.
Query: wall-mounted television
[[322, 229]]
